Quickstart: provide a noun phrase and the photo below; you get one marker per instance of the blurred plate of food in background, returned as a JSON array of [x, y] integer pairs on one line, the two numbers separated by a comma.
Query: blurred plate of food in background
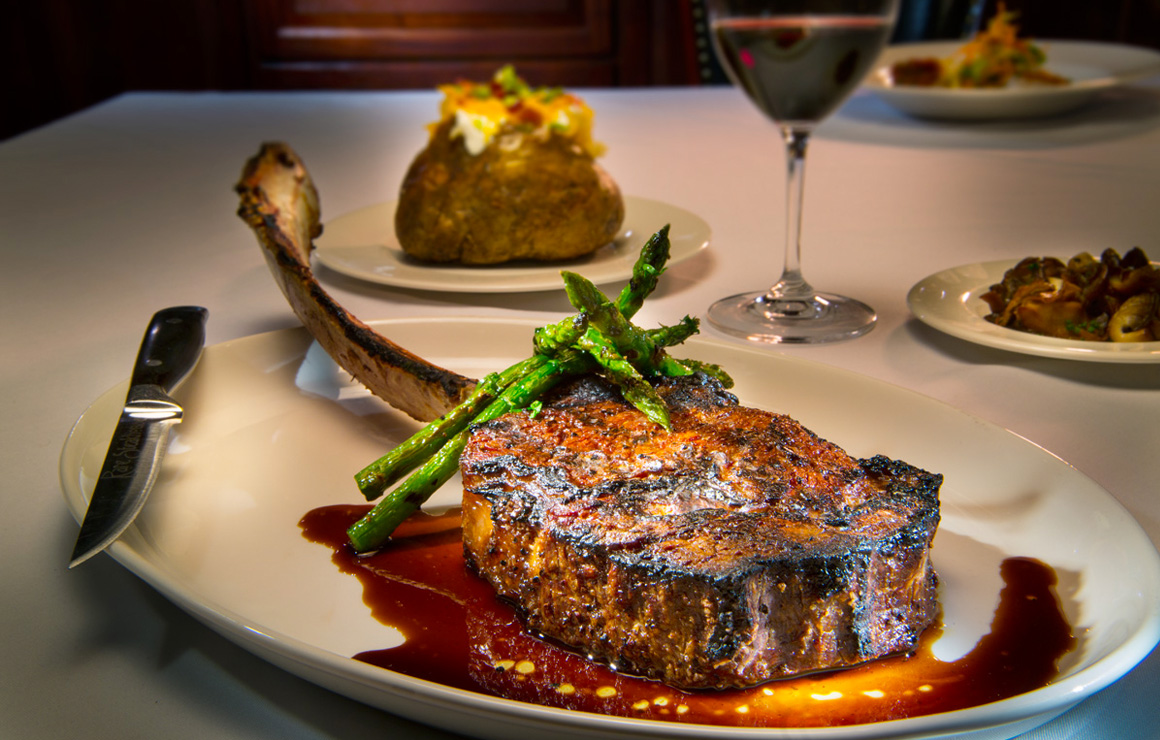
[[1088, 68]]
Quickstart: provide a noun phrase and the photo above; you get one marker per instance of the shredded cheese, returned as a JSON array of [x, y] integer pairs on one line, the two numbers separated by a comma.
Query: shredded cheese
[[481, 110]]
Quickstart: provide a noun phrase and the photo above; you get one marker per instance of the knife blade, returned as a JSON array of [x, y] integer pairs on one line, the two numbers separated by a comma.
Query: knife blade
[[169, 351]]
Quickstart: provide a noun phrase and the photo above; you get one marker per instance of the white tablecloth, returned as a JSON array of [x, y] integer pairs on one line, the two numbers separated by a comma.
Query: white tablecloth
[[128, 207]]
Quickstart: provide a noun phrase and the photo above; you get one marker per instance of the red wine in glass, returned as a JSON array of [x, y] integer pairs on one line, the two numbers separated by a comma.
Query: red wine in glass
[[797, 70], [797, 64]]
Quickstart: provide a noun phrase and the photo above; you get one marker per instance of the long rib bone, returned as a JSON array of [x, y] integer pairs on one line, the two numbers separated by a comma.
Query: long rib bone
[[280, 203]]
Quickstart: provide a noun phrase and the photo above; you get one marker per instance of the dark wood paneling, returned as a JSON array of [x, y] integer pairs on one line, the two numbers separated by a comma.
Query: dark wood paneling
[[346, 30], [64, 55], [375, 75], [412, 44]]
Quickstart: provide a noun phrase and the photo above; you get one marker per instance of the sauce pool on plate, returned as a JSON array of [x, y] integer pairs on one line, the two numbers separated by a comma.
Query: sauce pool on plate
[[459, 634]]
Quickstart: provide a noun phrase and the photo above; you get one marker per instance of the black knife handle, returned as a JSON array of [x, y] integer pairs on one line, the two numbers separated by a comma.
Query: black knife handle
[[171, 347]]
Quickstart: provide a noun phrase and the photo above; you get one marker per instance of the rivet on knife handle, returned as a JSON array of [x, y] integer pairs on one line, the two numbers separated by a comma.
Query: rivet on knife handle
[[169, 351]]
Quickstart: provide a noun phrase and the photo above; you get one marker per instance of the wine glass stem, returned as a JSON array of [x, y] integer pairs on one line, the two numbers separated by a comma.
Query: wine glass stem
[[792, 284]]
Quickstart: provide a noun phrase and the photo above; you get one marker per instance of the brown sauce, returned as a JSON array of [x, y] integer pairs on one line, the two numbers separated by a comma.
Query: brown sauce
[[459, 634]]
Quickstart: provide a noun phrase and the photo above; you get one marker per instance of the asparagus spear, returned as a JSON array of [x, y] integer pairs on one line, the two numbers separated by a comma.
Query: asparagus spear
[[633, 343], [647, 269], [376, 477], [552, 338], [384, 472], [600, 336], [376, 526], [668, 336], [373, 529], [605, 316], [635, 389]]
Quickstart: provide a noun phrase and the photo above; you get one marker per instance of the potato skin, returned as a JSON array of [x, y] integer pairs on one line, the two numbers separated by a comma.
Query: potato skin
[[523, 198]]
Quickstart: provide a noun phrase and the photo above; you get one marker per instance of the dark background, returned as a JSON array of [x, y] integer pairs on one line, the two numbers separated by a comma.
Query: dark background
[[61, 56]]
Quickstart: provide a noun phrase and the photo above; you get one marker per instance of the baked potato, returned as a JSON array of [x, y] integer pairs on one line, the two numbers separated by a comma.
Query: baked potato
[[509, 173]]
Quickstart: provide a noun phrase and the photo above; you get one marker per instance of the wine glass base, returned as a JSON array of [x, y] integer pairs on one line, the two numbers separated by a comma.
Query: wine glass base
[[815, 319]]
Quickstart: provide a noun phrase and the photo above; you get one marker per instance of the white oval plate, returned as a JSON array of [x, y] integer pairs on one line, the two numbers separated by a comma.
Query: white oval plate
[[949, 301], [362, 244], [1092, 68], [273, 429]]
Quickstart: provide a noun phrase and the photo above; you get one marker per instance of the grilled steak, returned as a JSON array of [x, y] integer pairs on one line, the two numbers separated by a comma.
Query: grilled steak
[[737, 549]]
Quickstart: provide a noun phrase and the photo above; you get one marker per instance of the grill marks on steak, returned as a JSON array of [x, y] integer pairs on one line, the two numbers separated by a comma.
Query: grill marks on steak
[[736, 549]]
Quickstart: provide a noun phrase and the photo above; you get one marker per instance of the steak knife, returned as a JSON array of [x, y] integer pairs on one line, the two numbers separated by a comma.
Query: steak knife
[[169, 351]]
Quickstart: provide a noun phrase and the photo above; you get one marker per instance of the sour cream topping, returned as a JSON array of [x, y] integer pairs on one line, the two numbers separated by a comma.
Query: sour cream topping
[[480, 110]]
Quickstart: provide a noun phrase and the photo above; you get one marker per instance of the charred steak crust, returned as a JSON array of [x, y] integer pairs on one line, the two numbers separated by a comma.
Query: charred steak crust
[[737, 549]]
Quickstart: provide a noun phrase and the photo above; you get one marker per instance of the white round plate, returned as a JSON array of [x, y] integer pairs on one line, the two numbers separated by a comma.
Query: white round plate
[[362, 244], [949, 301], [273, 429], [1091, 66]]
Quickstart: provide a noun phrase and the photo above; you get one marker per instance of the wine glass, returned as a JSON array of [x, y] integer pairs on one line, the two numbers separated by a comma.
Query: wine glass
[[797, 60]]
